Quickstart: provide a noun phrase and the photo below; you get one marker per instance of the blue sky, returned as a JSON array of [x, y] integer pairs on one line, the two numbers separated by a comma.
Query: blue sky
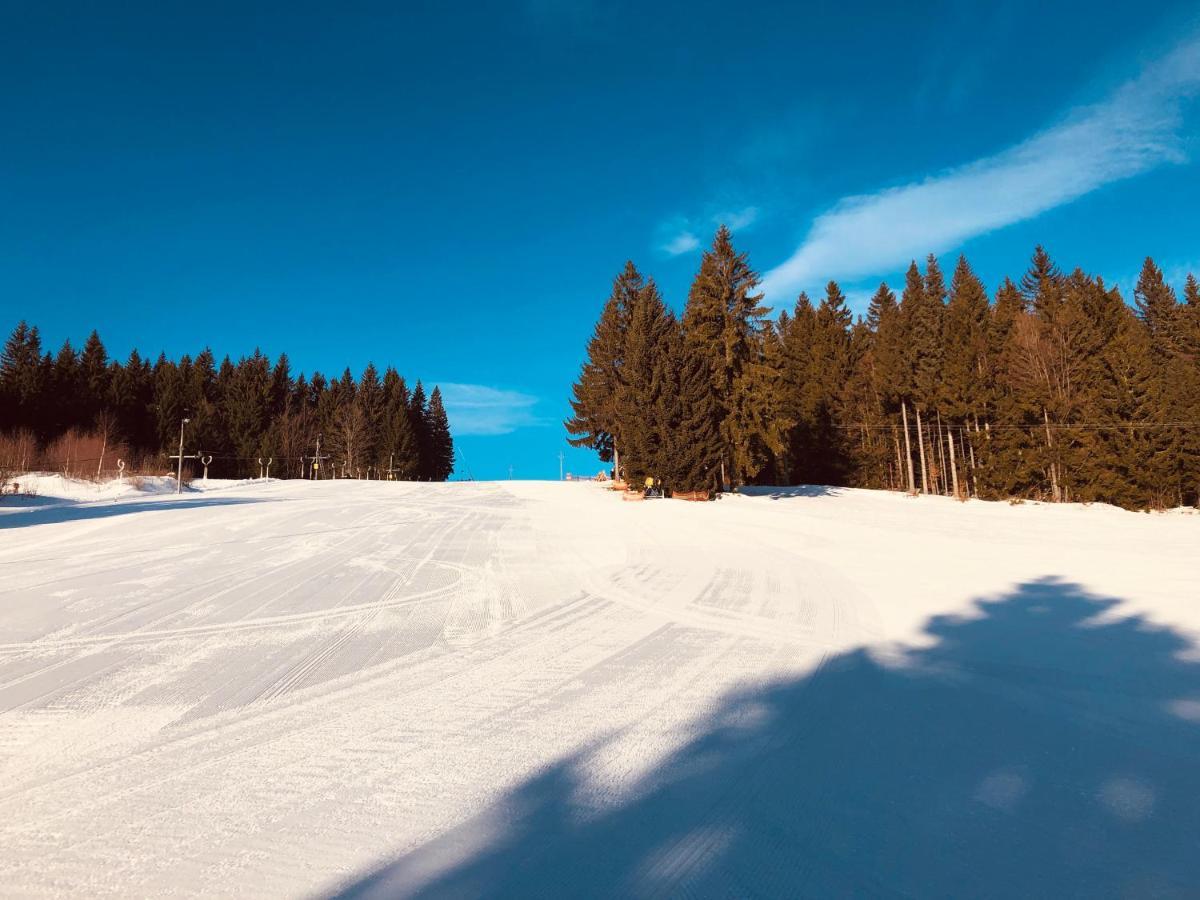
[[450, 188]]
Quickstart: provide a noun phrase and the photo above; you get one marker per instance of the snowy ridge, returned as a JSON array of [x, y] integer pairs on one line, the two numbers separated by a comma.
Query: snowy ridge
[[296, 688]]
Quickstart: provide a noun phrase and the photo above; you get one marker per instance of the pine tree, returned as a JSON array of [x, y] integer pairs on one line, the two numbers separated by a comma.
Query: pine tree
[[800, 388], [169, 399], [643, 381], [371, 399], [926, 335], [399, 451], [689, 455], [418, 416], [441, 445], [131, 391], [64, 391], [829, 372], [94, 377], [724, 320], [246, 403], [965, 378], [21, 376], [1158, 309], [1042, 282], [595, 396], [1130, 465]]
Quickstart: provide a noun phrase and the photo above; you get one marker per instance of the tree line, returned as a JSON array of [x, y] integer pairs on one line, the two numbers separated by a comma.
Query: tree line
[[1054, 388], [61, 411]]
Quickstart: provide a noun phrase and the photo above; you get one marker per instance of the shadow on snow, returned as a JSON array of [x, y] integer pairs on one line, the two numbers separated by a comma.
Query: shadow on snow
[[788, 492], [69, 511], [1036, 749]]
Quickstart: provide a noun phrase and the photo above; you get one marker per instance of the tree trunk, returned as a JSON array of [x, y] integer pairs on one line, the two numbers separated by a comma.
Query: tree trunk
[[953, 467], [1054, 494], [921, 446], [912, 485], [970, 446], [899, 459], [942, 456]]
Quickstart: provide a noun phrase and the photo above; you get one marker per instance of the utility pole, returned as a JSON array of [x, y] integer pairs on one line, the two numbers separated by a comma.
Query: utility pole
[[560, 465], [317, 457], [179, 456]]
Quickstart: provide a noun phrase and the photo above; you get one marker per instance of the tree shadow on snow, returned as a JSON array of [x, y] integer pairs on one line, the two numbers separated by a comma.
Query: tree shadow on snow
[[71, 512], [789, 492], [1034, 750]]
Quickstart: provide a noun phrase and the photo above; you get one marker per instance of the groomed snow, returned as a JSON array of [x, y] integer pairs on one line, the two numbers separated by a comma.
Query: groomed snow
[[535, 689]]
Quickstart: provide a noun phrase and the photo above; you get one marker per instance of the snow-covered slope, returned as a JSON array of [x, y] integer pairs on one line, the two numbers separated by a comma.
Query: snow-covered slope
[[524, 689]]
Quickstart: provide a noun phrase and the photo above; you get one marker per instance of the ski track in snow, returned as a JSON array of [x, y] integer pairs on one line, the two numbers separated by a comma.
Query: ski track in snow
[[280, 692]]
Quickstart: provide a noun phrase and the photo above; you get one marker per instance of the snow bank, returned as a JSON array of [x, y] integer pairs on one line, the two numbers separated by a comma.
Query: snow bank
[[36, 489]]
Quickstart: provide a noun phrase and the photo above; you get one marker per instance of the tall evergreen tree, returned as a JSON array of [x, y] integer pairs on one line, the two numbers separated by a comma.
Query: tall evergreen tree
[[644, 379], [371, 399], [399, 452], [94, 377], [724, 320], [441, 445], [964, 373], [595, 396], [418, 416]]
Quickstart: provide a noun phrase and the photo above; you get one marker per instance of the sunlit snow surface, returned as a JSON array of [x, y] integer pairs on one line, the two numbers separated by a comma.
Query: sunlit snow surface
[[526, 689]]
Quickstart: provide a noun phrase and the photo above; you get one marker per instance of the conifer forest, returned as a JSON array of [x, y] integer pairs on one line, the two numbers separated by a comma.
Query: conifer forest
[[1054, 387], [80, 412]]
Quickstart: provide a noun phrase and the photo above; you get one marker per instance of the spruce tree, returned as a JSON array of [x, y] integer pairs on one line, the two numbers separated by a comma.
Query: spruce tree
[[644, 379], [418, 417], [964, 375], [686, 408], [1042, 281], [371, 399], [246, 399], [1129, 465], [21, 376], [925, 333], [64, 391], [800, 387], [441, 445], [723, 319], [595, 396], [94, 377], [1158, 309], [399, 452]]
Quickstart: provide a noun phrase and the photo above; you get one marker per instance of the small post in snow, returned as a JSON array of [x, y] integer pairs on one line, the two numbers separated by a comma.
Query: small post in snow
[[120, 471]]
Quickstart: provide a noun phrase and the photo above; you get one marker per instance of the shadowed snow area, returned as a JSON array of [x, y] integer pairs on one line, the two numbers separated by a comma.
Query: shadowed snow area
[[523, 689]]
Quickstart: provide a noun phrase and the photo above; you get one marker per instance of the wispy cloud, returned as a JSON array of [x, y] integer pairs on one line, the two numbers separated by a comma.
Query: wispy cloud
[[678, 240], [738, 219], [481, 410], [1136, 129], [678, 235]]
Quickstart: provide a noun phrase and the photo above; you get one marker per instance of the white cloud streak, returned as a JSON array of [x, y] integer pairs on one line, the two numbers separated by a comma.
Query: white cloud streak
[[476, 409], [737, 219], [1134, 130], [683, 242]]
